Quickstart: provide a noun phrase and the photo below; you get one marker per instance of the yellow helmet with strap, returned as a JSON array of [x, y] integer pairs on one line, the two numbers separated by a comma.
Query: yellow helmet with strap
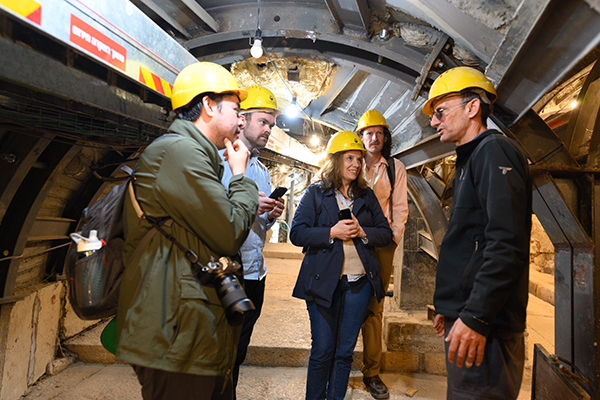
[[457, 79], [260, 98], [345, 141], [371, 118], [203, 77]]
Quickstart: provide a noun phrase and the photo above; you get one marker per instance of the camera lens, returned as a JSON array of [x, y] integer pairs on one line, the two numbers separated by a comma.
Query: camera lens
[[233, 298]]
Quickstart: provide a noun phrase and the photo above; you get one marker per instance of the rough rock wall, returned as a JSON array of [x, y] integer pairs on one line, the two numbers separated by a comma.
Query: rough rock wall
[[541, 256]]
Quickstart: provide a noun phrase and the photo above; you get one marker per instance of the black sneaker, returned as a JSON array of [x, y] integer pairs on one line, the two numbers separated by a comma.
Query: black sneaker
[[376, 387]]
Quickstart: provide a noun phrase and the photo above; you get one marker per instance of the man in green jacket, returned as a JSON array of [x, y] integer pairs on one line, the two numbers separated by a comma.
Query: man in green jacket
[[172, 328]]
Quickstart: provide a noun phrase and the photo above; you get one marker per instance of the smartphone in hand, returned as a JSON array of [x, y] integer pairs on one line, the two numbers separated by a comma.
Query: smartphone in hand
[[278, 192], [345, 214]]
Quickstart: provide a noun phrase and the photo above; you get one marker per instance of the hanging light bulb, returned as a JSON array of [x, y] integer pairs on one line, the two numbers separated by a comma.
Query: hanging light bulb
[[293, 109], [314, 140], [256, 50]]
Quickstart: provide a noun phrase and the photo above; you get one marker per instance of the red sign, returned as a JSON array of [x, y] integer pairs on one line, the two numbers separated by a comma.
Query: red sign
[[97, 43]]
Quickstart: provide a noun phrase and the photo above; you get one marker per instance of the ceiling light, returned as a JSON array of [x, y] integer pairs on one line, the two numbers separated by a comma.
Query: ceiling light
[[574, 104], [293, 109], [314, 140], [256, 50]]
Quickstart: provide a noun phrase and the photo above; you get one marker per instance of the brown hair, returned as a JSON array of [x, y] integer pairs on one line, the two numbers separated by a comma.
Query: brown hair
[[331, 175]]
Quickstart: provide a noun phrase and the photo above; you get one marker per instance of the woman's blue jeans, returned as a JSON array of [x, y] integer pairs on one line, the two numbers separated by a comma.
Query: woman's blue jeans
[[334, 333]]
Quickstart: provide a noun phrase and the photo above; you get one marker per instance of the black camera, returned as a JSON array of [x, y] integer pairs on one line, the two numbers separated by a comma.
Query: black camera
[[221, 275]]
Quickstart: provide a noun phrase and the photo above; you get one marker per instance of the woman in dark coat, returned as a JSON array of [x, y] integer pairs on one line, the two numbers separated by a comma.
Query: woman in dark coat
[[340, 272]]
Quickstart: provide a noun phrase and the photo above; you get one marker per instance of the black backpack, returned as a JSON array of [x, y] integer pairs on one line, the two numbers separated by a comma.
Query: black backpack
[[94, 280]]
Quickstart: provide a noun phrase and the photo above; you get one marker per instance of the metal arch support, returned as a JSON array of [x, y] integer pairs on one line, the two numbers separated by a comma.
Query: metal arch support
[[429, 63], [430, 149], [202, 14], [576, 274], [399, 77], [353, 14], [575, 32], [166, 17], [537, 139], [584, 119], [444, 15], [25, 206], [395, 49], [26, 150], [339, 81], [429, 206]]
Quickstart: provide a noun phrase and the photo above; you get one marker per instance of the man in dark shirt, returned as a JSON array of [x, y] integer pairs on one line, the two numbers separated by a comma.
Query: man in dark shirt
[[483, 270]]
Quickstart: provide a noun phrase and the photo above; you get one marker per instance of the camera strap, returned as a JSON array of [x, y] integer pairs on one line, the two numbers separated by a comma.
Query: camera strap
[[188, 253]]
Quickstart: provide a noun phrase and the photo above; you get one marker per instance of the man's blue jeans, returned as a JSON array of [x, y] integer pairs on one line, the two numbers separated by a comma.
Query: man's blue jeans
[[334, 333]]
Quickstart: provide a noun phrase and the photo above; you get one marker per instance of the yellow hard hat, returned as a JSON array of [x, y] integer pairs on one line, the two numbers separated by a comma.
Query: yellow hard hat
[[456, 79], [203, 77], [344, 141], [260, 98], [371, 118]]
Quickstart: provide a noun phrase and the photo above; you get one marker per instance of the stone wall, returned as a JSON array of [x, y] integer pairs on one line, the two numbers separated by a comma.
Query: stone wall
[[30, 333], [541, 256]]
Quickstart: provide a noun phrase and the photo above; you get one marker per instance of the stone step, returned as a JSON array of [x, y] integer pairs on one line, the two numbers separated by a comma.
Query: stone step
[[88, 347], [281, 337], [411, 347], [283, 250]]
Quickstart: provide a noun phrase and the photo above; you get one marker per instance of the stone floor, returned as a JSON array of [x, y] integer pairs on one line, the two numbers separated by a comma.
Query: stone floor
[[278, 353]]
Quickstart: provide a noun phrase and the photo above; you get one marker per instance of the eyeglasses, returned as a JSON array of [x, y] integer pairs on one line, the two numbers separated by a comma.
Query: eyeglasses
[[439, 112]]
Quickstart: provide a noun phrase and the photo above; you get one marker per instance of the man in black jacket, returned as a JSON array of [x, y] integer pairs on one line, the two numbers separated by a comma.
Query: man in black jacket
[[483, 270]]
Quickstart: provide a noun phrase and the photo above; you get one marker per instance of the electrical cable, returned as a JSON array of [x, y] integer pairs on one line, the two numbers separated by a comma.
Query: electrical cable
[[285, 84], [35, 254], [258, 23]]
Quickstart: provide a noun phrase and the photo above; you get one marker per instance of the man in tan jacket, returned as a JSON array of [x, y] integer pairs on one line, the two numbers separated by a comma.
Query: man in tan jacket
[[375, 134], [171, 328]]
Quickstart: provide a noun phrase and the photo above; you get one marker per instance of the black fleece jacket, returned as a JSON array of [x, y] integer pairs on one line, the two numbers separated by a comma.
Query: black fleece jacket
[[483, 269]]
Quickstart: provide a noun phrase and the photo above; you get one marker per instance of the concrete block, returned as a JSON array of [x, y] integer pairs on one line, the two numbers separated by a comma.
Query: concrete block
[[71, 324], [18, 348], [282, 250], [411, 334], [47, 328], [435, 363], [88, 346], [401, 362]]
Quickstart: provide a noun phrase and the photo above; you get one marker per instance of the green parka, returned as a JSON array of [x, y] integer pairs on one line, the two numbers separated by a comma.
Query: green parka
[[166, 319]]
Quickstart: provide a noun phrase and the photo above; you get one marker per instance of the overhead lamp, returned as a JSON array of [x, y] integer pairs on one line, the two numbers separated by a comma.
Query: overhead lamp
[[293, 109], [256, 50], [574, 104], [314, 140]]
